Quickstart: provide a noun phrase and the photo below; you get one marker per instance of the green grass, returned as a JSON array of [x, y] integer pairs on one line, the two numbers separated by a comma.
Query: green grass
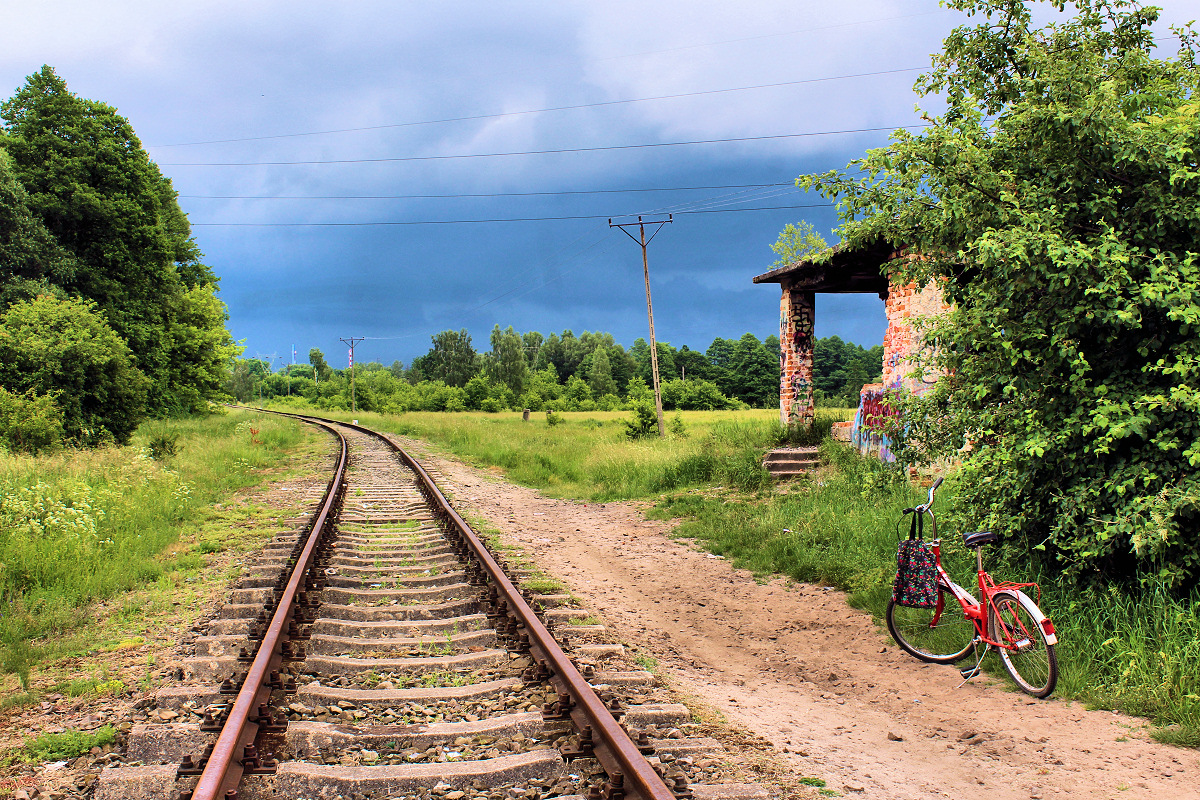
[[68, 744], [1138, 653], [82, 526], [588, 456]]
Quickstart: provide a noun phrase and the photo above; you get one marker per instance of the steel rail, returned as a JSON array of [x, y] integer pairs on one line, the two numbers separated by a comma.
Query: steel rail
[[223, 770], [613, 747]]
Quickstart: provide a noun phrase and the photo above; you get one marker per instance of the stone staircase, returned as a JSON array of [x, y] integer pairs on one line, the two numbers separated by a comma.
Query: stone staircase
[[788, 462]]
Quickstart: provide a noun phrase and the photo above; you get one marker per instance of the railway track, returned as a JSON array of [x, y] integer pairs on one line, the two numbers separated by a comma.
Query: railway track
[[380, 649]]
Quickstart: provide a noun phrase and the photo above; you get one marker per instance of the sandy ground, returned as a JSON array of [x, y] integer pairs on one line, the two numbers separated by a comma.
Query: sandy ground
[[820, 680]]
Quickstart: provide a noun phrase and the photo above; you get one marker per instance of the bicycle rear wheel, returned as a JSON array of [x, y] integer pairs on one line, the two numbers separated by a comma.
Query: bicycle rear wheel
[[944, 642], [1026, 654]]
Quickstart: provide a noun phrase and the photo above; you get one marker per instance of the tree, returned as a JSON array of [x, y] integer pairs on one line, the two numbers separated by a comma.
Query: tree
[[92, 186], [507, 363], [31, 261], [64, 349], [452, 359], [600, 377], [796, 242], [319, 365], [1057, 202]]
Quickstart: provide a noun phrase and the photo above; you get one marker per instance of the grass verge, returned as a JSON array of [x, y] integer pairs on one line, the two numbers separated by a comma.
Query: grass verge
[[1136, 653], [81, 528]]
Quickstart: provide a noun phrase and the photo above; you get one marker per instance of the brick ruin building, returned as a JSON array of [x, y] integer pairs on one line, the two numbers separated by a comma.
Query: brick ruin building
[[850, 270]]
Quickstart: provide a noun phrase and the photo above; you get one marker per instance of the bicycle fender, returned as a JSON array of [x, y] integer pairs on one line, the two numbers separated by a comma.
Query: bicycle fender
[[1034, 612]]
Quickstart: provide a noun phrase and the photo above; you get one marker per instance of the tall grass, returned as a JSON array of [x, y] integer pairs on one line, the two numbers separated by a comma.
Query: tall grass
[[83, 525], [589, 457], [1138, 653]]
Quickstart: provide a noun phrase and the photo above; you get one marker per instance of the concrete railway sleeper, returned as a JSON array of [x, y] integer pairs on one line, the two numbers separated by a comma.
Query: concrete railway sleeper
[[382, 650]]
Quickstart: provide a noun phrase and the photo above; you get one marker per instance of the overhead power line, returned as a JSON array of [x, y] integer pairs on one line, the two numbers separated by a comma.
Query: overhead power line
[[525, 112], [475, 221], [480, 194], [552, 151]]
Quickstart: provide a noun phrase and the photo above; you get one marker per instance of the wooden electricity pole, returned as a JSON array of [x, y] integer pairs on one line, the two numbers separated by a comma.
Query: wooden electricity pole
[[643, 241], [351, 342]]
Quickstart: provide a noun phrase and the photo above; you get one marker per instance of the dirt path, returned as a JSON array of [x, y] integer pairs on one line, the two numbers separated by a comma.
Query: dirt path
[[798, 666]]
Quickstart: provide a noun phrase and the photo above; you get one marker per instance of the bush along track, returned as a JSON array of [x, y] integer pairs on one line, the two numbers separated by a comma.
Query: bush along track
[[408, 669]]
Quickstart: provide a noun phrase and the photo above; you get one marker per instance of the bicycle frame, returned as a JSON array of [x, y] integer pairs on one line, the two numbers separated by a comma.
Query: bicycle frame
[[977, 611]]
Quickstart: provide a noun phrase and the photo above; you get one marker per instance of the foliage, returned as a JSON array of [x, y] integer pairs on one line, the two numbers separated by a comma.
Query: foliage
[[451, 360], [507, 363], [68, 744], [164, 446], [78, 526], [841, 368], [796, 242], [553, 419], [65, 349], [29, 423], [643, 423], [1057, 201], [31, 261], [95, 218]]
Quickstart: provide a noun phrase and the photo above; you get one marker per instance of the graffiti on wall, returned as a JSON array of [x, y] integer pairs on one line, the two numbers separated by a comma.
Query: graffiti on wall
[[875, 416]]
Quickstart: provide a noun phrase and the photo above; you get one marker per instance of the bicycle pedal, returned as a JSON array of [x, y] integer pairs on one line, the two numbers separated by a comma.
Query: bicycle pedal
[[969, 672]]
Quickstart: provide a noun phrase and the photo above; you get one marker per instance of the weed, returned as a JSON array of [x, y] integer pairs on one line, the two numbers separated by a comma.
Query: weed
[[648, 663], [68, 744], [817, 782], [163, 446], [542, 585]]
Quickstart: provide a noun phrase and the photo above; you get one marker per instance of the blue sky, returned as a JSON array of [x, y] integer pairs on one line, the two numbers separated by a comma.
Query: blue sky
[[209, 83]]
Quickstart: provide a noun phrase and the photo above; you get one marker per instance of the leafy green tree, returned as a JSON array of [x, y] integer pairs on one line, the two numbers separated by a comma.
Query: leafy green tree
[[92, 186], [64, 349], [31, 261], [754, 373], [451, 360], [600, 377], [506, 362], [796, 242], [1057, 200], [319, 365]]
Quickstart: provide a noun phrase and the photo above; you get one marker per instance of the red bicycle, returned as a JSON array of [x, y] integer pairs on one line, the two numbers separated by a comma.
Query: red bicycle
[[1006, 619]]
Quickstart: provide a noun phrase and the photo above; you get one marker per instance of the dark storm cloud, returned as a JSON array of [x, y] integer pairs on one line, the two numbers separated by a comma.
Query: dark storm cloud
[[204, 71]]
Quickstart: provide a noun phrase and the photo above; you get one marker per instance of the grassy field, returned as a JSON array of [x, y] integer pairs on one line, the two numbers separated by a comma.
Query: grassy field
[[79, 527], [1140, 654]]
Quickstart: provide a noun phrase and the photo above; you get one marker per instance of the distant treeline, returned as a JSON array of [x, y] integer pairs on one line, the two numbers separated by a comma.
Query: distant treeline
[[563, 372]]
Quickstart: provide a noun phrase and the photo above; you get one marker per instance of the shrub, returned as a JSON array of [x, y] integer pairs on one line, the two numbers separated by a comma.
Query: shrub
[[50, 346], [644, 422], [29, 423], [163, 446]]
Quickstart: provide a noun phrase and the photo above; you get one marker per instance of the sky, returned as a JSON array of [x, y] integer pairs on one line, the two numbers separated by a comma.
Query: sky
[[390, 170]]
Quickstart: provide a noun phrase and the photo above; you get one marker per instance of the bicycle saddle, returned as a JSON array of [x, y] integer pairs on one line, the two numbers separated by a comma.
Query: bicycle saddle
[[979, 538]]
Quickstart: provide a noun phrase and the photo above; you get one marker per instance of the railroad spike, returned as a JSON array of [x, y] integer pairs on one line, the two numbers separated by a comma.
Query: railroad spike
[[681, 789], [584, 749], [615, 788]]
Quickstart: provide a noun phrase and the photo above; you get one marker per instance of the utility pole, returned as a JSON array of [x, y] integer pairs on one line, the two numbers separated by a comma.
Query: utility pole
[[649, 307], [352, 341]]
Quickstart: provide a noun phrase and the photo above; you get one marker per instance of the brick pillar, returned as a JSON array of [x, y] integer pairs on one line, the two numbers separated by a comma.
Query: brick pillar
[[796, 314]]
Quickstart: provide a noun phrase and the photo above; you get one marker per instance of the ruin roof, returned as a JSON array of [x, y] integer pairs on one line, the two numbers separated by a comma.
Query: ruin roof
[[839, 270]]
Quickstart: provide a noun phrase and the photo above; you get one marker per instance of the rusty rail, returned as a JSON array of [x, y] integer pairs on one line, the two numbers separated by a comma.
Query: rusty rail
[[233, 754], [630, 774], [612, 746]]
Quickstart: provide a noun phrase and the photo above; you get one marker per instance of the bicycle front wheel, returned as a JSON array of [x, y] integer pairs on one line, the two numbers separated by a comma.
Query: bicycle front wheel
[[937, 638], [1026, 654]]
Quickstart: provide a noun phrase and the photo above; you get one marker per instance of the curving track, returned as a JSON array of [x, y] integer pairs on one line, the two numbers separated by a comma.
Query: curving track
[[382, 650]]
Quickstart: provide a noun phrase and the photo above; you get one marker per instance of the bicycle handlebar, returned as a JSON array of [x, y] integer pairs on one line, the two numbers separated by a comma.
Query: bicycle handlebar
[[929, 503]]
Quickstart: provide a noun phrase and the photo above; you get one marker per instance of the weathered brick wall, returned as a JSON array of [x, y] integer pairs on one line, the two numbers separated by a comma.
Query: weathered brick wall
[[904, 306], [796, 357]]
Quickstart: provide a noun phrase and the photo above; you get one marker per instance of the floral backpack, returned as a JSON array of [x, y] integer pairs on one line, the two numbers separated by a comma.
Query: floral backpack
[[916, 569]]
